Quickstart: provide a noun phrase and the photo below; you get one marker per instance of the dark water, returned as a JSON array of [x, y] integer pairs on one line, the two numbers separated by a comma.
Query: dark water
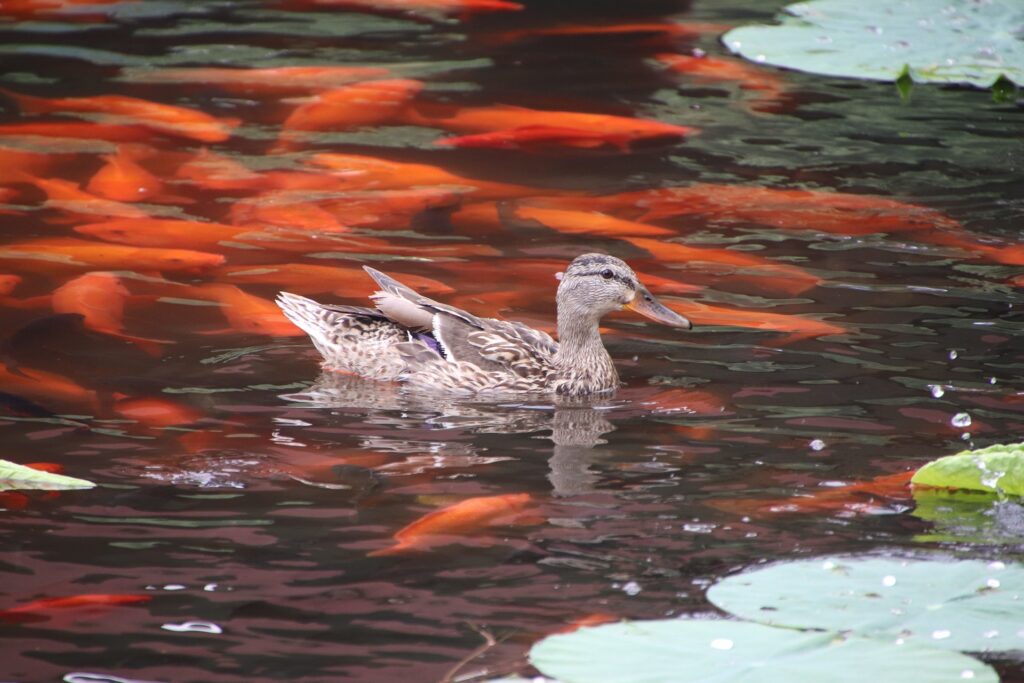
[[258, 518]]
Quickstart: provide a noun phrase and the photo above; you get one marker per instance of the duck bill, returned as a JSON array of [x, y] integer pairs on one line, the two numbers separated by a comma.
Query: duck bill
[[646, 305]]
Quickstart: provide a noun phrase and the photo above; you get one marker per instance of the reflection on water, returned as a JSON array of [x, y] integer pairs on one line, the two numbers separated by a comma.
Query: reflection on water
[[852, 261]]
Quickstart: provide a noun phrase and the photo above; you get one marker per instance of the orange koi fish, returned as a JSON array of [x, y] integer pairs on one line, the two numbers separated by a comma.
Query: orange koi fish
[[357, 172], [123, 179], [388, 209], [859, 497], [170, 232], [47, 387], [303, 278], [285, 209], [672, 29], [796, 326], [282, 80], [1011, 255], [246, 313], [16, 164], [100, 299], [156, 412], [507, 117], [595, 619], [68, 197], [57, 254], [768, 86], [165, 118], [462, 518], [30, 610], [79, 130], [673, 251], [354, 106], [586, 222], [538, 137], [216, 172]]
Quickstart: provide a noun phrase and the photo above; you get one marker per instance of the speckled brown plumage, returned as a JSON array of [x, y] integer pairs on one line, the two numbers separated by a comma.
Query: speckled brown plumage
[[439, 348]]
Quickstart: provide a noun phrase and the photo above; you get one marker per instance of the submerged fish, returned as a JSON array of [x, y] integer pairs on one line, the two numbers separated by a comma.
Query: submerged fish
[[55, 254], [369, 103], [304, 278], [280, 80], [463, 518]]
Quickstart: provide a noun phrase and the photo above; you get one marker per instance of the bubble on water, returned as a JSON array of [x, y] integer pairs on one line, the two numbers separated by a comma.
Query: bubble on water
[[993, 583], [84, 677], [631, 588], [966, 673], [961, 420], [992, 380], [952, 354], [941, 634], [210, 587], [997, 565], [194, 627], [174, 587], [889, 580], [816, 445], [828, 564], [697, 52], [699, 528], [722, 644], [937, 390]]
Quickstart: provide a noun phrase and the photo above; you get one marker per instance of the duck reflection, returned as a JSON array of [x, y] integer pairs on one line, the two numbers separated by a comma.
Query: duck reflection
[[576, 425]]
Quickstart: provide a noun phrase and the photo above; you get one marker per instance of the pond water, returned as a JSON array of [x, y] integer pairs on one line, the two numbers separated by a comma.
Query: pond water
[[241, 496]]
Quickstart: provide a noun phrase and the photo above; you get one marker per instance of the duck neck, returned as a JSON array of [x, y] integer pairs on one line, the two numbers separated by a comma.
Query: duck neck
[[582, 362]]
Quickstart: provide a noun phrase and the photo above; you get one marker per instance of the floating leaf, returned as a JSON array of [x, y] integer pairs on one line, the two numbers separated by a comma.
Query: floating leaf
[[996, 469], [15, 476], [934, 41], [678, 650], [956, 605]]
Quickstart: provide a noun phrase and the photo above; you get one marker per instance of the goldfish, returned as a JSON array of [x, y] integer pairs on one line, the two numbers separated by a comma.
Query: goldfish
[[506, 117], [858, 497], [1011, 255], [358, 172], [798, 327], [538, 136], [460, 519], [388, 209], [66, 253], [285, 209], [99, 298], [81, 130], [217, 172], [700, 66], [165, 118], [369, 103], [246, 313], [17, 164], [253, 82], [168, 232], [66, 196], [8, 283], [29, 610], [123, 179], [47, 387], [586, 222], [303, 278], [155, 412]]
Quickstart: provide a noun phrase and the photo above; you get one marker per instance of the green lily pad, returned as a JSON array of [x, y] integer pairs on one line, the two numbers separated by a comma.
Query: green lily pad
[[958, 605], [936, 41], [678, 650], [15, 476], [996, 469]]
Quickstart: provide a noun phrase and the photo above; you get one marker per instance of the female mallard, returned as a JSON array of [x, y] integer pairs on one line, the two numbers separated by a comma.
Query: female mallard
[[435, 347]]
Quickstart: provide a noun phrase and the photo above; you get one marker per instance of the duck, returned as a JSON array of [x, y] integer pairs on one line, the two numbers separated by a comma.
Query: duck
[[433, 347]]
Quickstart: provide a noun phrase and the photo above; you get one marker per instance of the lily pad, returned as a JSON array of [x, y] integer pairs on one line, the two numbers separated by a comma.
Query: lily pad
[[996, 469], [15, 476], [968, 517], [677, 650], [958, 605], [935, 41]]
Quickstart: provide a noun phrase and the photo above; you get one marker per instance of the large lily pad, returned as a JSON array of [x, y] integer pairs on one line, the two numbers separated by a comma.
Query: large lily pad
[[677, 650], [996, 469], [959, 605], [15, 476], [937, 41]]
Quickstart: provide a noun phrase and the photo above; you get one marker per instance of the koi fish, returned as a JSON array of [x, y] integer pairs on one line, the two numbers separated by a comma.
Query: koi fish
[[357, 172], [8, 283], [586, 222], [1012, 255], [595, 619], [507, 117], [798, 327], [768, 86], [100, 299], [303, 278], [79, 130], [47, 387], [246, 313], [169, 232], [156, 412], [388, 209], [538, 137], [16, 164], [354, 106], [30, 610], [673, 29], [123, 179], [791, 276], [460, 519], [165, 118], [285, 209], [273, 81], [859, 497], [58, 253], [66, 196], [216, 172]]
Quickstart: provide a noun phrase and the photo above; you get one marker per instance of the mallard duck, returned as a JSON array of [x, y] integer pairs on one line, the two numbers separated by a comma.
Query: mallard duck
[[435, 347]]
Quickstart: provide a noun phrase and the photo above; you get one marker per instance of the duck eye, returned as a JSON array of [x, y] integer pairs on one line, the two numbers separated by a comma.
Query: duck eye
[[607, 274]]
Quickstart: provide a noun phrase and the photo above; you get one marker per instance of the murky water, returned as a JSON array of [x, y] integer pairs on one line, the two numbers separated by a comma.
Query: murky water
[[243, 496]]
